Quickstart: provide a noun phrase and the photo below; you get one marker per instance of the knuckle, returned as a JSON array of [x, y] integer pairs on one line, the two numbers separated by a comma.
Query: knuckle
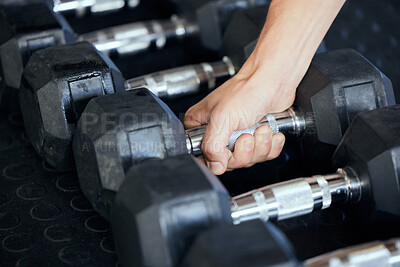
[[190, 112], [206, 147], [212, 151]]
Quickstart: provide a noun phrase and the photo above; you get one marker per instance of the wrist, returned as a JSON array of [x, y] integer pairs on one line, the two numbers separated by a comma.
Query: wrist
[[274, 73]]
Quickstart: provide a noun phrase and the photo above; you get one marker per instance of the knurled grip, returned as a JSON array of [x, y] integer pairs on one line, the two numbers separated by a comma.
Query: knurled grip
[[290, 199], [177, 82], [184, 80], [96, 6], [137, 37], [377, 253]]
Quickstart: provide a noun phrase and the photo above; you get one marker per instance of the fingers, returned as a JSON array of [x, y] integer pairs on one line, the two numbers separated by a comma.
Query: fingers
[[263, 136], [249, 149], [261, 147], [278, 141], [243, 153]]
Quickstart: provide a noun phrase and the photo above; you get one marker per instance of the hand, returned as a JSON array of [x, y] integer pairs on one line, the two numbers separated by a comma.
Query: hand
[[266, 83], [239, 104]]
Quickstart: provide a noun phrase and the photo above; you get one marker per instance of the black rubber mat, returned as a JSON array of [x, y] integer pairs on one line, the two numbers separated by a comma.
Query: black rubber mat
[[44, 218], [46, 221]]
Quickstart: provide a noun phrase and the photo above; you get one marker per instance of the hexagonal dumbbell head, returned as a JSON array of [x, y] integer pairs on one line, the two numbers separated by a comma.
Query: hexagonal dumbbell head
[[26, 26], [161, 206], [254, 243], [57, 84], [337, 86], [371, 146], [118, 131], [214, 17]]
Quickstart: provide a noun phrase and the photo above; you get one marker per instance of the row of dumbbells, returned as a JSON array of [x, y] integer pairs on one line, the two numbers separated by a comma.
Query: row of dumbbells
[[54, 94], [153, 204], [166, 203], [104, 153], [28, 26]]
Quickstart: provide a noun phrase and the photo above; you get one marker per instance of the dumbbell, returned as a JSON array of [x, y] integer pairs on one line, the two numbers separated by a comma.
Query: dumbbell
[[369, 157], [178, 210], [52, 140], [258, 243], [56, 88], [32, 26], [168, 82], [163, 204], [50, 28], [141, 126]]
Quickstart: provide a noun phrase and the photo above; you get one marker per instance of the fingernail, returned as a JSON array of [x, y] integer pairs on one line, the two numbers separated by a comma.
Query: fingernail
[[248, 146], [216, 167], [267, 137], [279, 142]]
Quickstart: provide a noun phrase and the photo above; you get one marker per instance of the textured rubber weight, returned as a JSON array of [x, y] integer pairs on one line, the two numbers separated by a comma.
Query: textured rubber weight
[[55, 90], [25, 27]]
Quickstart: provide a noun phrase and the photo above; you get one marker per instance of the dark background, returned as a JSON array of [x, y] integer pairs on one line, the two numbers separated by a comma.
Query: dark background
[[46, 221]]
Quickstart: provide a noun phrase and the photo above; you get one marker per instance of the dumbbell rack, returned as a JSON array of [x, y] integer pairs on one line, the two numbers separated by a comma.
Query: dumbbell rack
[[46, 221]]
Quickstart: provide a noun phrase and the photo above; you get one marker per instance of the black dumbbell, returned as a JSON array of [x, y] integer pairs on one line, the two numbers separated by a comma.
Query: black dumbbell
[[55, 90], [53, 144], [142, 127], [52, 140], [369, 157], [246, 23], [258, 243], [28, 27], [165, 203]]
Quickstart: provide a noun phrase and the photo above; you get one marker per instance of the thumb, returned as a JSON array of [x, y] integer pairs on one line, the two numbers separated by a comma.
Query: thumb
[[215, 141]]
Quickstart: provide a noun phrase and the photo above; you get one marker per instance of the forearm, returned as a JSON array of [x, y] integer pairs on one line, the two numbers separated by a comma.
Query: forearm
[[292, 33]]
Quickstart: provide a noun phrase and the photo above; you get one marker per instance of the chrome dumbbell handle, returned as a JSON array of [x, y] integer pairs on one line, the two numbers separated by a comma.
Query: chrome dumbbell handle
[[377, 253], [137, 37], [95, 6], [290, 121], [185, 80], [296, 197]]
